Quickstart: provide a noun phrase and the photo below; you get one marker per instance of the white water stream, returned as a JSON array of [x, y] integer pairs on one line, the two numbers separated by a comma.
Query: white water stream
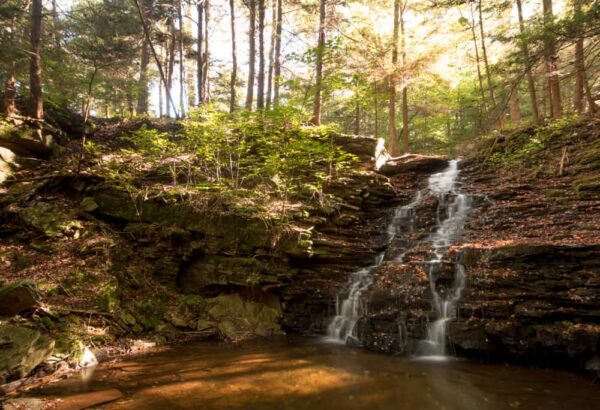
[[453, 209]]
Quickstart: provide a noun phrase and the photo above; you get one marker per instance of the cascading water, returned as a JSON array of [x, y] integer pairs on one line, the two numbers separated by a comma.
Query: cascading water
[[453, 209], [351, 309]]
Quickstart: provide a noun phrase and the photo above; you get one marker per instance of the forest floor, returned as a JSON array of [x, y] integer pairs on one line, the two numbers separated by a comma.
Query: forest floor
[[539, 184]]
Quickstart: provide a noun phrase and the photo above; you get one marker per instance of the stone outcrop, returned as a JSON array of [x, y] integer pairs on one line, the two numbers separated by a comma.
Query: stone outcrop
[[21, 350], [531, 256], [18, 297], [413, 163]]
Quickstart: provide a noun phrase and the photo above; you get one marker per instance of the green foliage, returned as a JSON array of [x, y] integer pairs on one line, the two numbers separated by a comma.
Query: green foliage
[[245, 155], [521, 150]]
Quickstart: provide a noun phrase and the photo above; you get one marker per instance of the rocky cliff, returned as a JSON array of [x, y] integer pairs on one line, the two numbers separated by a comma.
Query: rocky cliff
[[530, 251]]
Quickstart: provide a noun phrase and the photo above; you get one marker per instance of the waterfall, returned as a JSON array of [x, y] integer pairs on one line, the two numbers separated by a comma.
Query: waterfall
[[453, 209], [351, 308]]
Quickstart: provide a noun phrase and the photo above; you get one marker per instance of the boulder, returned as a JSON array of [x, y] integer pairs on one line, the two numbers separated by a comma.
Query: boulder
[[237, 318], [21, 350], [413, 163], [18, 297], [49, 219]]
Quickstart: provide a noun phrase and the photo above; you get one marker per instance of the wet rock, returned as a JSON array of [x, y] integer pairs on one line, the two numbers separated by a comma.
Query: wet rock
[[18, 297], [21, 350], [238, 318], [413, 163]]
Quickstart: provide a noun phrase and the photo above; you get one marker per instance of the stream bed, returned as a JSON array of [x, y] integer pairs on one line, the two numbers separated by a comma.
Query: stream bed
[[305, 373]]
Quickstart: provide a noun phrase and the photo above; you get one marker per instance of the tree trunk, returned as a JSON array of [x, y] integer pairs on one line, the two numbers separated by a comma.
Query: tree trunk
[[181, 60], [404, 84], [10, 91], [142, 102], [200, 53], [550, 57], [252, 54], [190, 73], [535, 111], [35, 68], [232, 82], [277, 57], [579, 76], [316, 119], [515, 109], [357, 116], [393, 137], [488, 74], [376, 104], [171, 64], [260, 94], [169, 100], [206, 66], [271, 53], [477, 59]]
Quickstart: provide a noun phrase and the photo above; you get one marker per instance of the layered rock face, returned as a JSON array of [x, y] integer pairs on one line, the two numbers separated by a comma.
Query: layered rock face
[[530, 252]]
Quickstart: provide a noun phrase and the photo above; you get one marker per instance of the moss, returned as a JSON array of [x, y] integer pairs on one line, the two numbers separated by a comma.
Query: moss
[[50, 219], [587, 187]]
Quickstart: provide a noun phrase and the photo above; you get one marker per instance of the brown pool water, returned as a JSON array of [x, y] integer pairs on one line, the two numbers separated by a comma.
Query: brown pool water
[[309, 374]]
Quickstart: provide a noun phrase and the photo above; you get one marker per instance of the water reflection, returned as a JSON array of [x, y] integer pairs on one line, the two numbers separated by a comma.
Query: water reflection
[[306, 374]]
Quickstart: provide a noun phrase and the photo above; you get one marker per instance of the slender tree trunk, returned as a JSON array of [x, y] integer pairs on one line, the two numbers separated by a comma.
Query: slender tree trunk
[[550, 57], [582, 87], [271, 53], [169, 100], [171, 64], [592, 107], [579, 76], [206, 66], [515, 109], [190, 72], [160, 98], [200, 54], [317, 103], [393, 137], [252, 55], [181, 60], [357, 116], [35, 69], [142, 102], [487, 70], [404, 83], [477, 60], [376, 104], [277, 57], [260, 94], [535, 111], [233, 81], [10, 90]]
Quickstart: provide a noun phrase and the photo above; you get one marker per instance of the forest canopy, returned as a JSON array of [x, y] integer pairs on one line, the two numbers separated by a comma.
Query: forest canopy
[[425, 75]]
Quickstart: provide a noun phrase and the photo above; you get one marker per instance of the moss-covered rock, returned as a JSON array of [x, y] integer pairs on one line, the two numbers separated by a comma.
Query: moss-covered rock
[[50, 219], [219, 270], [237, 318], [18, 297], [21, 350]]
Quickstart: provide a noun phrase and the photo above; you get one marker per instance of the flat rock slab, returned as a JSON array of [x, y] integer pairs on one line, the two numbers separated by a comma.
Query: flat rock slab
[[414, 163], [87, 400]]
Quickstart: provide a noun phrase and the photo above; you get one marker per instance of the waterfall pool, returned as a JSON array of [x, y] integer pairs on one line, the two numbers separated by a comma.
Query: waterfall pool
[[304, 373]]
